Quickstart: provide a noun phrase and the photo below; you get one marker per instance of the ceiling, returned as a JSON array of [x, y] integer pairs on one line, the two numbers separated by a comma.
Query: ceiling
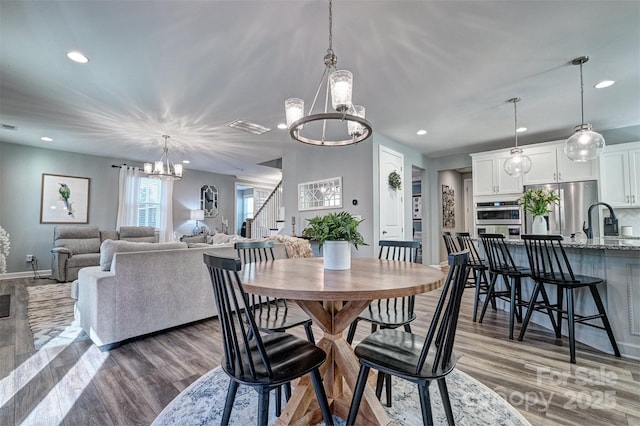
[[188, 68]]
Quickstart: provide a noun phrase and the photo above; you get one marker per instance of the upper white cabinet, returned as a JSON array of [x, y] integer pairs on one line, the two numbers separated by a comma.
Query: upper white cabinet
[[549, 164], [620, 175], [489, 177]]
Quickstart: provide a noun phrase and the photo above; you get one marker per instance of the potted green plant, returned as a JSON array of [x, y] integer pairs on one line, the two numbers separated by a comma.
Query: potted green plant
[[536, 202], [336, 232]]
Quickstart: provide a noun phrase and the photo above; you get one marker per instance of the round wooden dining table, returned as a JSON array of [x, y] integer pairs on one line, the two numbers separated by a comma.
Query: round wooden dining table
[[333, 299]]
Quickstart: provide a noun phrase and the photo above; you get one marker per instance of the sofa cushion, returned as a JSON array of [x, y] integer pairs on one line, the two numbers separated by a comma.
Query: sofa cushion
[[141, 234], [194, 239], [111, 247], [109, 234], [78, 239], [83, 260]]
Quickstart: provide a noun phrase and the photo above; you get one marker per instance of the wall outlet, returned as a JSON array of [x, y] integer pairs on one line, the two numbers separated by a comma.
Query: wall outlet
[[29, 258]]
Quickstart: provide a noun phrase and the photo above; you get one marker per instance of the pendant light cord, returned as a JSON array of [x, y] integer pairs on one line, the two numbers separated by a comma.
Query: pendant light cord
[[515, 114], [581, 95], [330, 26]]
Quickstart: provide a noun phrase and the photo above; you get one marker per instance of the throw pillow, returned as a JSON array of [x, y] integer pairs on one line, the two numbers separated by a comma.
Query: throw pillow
[[110, 247]]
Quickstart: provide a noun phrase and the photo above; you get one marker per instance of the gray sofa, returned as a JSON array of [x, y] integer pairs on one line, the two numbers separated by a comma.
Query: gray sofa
[[76, 247], [147, 291]]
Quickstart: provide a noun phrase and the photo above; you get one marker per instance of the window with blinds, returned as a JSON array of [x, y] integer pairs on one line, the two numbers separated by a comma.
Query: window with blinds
[[149, 197]]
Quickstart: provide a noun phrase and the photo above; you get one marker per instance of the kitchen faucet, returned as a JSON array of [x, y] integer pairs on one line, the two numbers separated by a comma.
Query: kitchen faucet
[[610, 223]]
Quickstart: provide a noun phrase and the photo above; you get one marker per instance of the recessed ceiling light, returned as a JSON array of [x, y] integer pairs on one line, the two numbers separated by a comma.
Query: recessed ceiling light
[[186, 162], [282, 126], [521, 129], [77, 57], [421, 132], [604, 83], [46, 139]]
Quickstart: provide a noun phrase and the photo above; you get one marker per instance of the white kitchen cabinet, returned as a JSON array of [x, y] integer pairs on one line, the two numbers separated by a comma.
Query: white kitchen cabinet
[[549, 164], [489, 177], [620, 175]]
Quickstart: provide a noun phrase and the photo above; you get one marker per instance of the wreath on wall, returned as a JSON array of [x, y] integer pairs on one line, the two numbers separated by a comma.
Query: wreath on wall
[[395, 181]]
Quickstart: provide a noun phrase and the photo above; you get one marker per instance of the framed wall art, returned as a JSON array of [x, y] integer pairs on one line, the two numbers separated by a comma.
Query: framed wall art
[[448, 207], [64, 199]]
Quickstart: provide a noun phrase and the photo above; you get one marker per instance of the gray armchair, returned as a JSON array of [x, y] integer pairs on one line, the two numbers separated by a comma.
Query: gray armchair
[[74, 247]]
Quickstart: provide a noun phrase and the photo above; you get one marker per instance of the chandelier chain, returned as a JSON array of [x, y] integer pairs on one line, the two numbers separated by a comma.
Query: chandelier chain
[[330, 27]]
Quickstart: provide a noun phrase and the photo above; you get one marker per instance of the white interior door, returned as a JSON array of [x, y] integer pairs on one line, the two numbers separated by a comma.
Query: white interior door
[[391, 201]]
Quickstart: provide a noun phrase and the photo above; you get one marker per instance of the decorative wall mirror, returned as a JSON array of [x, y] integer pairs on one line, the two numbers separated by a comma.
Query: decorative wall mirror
[[209, 200]]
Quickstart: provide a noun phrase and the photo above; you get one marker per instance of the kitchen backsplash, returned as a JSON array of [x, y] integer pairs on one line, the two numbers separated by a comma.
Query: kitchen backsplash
[[629, 217]]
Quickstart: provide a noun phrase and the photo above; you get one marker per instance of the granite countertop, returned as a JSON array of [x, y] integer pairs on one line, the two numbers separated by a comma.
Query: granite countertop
[[609, 243]]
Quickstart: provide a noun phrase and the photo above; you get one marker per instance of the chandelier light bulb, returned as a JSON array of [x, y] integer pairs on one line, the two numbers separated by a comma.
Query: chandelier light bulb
[[341, 88], [355, 128]]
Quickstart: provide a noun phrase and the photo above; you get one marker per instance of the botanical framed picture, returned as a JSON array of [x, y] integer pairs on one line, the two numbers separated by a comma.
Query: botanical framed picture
[[64, 199]]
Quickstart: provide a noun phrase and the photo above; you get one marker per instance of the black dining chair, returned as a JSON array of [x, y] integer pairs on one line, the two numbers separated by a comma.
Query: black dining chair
[[272, 314], [265, 362], [418, 359], [477, 272], [550, 265], [501, 264], [390, 313], [449, 242]]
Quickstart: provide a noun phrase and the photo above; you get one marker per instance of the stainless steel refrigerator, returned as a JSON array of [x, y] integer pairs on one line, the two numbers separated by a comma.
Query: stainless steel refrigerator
[[570, 214]]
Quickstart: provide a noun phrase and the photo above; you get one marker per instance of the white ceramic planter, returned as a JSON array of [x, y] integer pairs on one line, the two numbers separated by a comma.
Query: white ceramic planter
[[337, 255], [539, 226]]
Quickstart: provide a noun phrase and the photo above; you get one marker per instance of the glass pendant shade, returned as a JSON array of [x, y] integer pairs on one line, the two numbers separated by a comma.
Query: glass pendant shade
[[584, 145], [294, 110], [354, 128], [518, 164], [148, 168], [159, 167], [177, 169], [341, 82]]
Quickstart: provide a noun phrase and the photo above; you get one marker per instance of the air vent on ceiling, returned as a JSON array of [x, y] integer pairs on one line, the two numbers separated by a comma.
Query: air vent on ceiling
[[8, 127], [248, 127]]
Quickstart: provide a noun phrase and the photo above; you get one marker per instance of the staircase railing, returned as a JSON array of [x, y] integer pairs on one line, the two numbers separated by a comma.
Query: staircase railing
[[267, 219]]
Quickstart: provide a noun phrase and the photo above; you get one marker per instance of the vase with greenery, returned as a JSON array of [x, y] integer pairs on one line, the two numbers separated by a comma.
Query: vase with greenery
[[536, 202], [337, 232]]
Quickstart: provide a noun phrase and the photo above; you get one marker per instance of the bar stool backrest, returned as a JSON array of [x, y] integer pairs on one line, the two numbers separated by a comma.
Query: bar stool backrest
[[466, 243], [497, 252], [244, 352], [547, 258], [449, 242], [445, 318]]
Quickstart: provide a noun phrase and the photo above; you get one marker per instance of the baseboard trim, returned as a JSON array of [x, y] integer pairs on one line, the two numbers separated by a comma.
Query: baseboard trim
[[25, 274]]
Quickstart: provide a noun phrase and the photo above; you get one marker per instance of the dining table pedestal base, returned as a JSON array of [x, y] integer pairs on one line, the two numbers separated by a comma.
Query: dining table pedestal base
[[339, 372]]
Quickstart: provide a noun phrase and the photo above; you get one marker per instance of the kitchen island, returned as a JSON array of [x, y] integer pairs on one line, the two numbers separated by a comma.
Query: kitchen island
[[618, 262]]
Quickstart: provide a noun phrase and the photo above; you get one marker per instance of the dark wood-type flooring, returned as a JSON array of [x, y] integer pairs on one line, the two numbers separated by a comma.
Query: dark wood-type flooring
[[79, 385]]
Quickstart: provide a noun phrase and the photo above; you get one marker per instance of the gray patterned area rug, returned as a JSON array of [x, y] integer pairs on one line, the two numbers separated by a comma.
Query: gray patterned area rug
[[50, 314], [472, 402]]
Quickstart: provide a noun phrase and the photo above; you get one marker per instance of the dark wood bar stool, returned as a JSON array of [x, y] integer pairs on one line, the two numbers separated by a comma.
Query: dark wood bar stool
[[449, 242], [501, 264], [477, 271], [550, 265]]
